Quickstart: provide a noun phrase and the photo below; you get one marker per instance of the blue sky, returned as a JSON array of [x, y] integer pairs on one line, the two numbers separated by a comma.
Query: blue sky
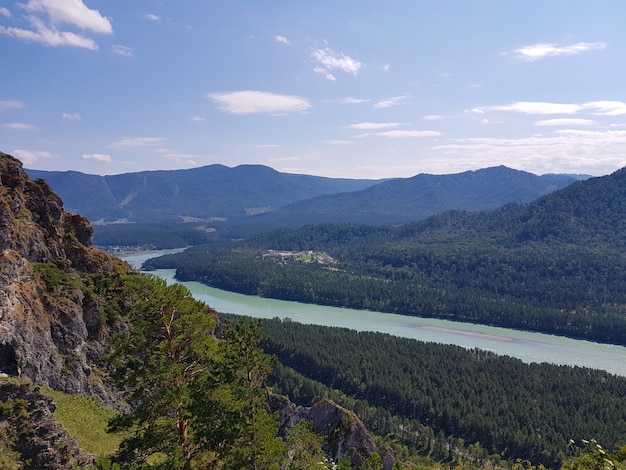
[[357, 89]]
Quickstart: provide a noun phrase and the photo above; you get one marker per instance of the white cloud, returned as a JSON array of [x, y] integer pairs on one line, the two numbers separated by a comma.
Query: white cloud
[[565, 122], [532, 107], [122, 50], [330, 60], [351, 100], [29, 157], [567, 150], [73, 12], [607, 108], [20, 126], [253, 102], [374, 125], [45, 16], [604, 135], [403, 134], [5, 12], [388, 103], [542, 50], [49, 36], [71, 117], [325, 72], [434, 117], [198, 119], [601, 108], [152, 17], [11, 104], [134, 142], [282, 39], [386, 67], [97, 157]]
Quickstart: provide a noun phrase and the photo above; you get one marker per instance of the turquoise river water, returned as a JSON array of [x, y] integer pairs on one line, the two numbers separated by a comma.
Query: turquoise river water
[[527, 346]]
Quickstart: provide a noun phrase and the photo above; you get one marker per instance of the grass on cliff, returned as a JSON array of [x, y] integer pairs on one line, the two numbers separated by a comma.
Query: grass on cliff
[[86, 418]]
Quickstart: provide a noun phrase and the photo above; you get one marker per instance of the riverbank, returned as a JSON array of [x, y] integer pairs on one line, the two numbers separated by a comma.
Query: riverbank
[[527, 346]]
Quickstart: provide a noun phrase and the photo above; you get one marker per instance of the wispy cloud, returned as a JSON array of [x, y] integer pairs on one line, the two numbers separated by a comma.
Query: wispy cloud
[[152, 17], [567, 150], [135, 142], [351, 100], [28, 157], [606, 108], [329, 60], [325, 72], [543, 50], [533, 107], [46, 16], [97, 157], [565, 122], [11, 104], [389, 102], [5, 12], [282, 39], [404, 134], [20, 126], [122, 50], [373, 125], [259, 102], [198, 119], [601, 108], [71, 117]]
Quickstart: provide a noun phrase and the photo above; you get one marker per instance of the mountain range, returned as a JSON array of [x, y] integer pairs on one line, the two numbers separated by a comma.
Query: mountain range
[[259, 196]]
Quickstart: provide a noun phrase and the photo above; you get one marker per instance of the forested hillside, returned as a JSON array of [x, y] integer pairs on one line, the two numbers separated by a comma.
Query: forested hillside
[[557, 265], [405, 200], [420, 390]]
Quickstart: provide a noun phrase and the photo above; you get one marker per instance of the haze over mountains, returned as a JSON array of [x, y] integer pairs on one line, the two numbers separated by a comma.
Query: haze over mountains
[[259, 195]]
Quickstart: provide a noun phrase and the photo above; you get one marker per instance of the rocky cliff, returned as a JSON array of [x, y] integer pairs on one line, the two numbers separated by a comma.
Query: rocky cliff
[[48, 316], [345, 434]]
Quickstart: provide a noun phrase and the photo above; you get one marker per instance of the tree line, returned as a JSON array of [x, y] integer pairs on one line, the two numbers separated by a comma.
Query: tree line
[[506, 407]]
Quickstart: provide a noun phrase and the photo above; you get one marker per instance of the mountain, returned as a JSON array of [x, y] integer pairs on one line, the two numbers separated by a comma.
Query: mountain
[[259, 198], [208, 193], [409, 199]]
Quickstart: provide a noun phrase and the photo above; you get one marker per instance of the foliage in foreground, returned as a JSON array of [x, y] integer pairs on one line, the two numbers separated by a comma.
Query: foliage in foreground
[[197, 401]]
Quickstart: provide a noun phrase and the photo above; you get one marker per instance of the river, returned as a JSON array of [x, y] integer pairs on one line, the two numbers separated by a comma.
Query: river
[[527, 346]]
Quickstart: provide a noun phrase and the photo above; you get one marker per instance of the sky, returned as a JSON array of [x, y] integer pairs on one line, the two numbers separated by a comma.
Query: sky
[[341, 88]]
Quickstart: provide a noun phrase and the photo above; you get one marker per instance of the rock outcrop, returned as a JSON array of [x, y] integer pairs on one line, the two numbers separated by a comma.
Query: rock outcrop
[[29, 428], [47, 332], [346, 435]]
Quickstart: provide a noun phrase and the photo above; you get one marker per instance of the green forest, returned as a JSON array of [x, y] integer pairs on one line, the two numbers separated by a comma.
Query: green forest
[[412, 391]]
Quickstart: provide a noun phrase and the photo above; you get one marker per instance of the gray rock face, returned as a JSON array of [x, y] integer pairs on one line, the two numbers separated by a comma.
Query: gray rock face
[[345, 432], [37, 438], [44, 333]]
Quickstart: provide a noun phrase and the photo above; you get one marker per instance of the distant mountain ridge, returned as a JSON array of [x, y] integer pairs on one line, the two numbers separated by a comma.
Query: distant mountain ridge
[[203, 194], [261, 196], [409, 199]]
